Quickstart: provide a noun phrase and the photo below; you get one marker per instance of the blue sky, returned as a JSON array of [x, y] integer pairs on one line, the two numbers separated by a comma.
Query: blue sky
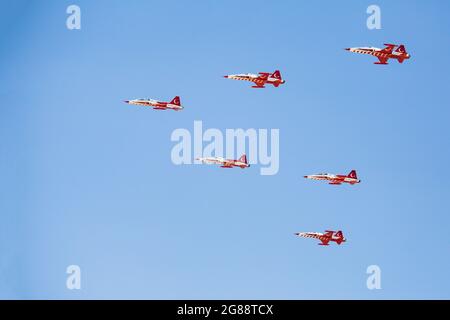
[[88, 180]]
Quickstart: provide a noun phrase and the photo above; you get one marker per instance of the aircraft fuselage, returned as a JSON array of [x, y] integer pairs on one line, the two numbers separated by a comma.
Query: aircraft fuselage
[[225, 163], [333, 178], [380, 53], [155, 104]]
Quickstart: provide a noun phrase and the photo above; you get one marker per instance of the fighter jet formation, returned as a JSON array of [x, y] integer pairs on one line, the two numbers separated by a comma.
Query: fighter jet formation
[[227, 163], [336, 179], [385, 54], [259, 79]]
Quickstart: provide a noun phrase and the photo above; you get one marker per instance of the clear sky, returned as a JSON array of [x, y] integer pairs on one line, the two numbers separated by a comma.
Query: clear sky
[[88, 180]]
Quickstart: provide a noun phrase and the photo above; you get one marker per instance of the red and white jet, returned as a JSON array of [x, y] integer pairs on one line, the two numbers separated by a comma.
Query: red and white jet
[[259, 79], [324, 238], [227, 163], [175, 104], [385, 54], [336, 179]]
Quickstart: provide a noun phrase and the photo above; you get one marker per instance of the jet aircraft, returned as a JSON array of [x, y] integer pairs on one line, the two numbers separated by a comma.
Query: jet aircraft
[[385, 54], [227, 163], [175, 104], [324, 238], [259, 79], [336, 179]]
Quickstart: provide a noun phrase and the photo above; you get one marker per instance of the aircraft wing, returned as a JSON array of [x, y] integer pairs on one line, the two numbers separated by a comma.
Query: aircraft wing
[[263, 76], [226, 164], [261, 80], [383, 60], [336, 182]]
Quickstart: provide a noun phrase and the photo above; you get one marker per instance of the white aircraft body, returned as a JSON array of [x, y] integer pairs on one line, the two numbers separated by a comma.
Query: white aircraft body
[[227, 163]]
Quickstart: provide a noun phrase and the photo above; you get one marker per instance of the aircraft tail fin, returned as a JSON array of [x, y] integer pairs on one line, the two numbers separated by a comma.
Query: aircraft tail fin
[[176, 101], [243, 159], [353, 174], [403, 54], [401, 49], [340, 237], [276, 75]]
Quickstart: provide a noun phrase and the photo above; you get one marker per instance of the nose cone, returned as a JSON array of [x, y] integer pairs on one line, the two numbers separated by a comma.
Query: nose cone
[[225, 76], [348, 49], [126, 101]]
